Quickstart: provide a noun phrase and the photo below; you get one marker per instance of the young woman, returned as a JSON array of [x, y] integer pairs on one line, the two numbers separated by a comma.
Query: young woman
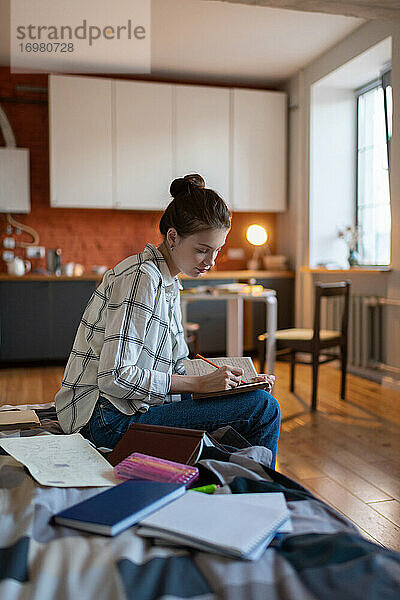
[[126, 362]]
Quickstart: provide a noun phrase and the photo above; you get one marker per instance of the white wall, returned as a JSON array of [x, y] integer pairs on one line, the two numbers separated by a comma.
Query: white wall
[[385, 284], [332, 172]]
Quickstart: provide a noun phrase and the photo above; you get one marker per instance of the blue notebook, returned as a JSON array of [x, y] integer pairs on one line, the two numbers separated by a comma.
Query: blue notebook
[[119, 507]]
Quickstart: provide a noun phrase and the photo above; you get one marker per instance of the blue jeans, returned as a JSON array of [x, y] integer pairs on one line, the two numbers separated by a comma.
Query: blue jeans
[[255, 415]]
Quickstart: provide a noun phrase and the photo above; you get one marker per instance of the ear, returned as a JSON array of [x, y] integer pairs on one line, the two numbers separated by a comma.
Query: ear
[[172, 236]]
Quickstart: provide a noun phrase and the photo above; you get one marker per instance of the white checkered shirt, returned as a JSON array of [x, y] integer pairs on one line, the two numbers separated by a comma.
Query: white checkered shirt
[[129, 342]]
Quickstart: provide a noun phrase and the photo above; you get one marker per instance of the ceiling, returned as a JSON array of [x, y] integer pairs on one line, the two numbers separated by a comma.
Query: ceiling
[[366, 9], [228, 42]]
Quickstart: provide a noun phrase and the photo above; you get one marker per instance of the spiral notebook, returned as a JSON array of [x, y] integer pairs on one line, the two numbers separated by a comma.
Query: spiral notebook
[[217, 523]]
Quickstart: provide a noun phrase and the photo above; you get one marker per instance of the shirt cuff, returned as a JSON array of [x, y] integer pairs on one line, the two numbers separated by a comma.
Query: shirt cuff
[[160, 385]]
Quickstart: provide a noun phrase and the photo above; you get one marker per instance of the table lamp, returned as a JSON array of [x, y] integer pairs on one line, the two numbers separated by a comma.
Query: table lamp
[[257, 236]]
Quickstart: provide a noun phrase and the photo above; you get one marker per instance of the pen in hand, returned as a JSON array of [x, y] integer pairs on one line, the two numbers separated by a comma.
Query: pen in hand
[[213, 364]]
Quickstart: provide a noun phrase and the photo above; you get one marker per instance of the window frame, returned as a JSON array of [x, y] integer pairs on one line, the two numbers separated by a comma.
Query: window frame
[[383, 81]]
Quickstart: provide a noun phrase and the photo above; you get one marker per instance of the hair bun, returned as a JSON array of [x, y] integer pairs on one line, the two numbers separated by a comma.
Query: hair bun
[[184, 184]]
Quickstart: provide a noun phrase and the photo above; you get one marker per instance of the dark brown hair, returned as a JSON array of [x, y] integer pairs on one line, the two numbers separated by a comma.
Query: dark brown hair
[[194, 208]]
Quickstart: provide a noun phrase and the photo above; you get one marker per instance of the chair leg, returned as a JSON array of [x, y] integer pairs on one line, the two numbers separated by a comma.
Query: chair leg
[[315, 365], [292, 366], [344, 373]]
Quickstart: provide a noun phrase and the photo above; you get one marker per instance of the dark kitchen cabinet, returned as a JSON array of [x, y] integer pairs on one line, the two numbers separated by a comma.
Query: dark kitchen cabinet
[[38, 319], [210, 315]]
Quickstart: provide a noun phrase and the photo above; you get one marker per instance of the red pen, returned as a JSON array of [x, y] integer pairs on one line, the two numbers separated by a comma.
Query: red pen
[[213, 364]]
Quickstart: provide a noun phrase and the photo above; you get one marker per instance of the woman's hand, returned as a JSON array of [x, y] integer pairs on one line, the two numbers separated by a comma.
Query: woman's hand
[[269, 380], [224, 378]]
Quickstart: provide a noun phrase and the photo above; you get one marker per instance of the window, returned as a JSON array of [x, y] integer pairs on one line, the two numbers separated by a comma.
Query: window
[[374, 131]]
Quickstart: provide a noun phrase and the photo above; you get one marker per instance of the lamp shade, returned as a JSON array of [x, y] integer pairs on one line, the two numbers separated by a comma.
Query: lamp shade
[[256, 235]]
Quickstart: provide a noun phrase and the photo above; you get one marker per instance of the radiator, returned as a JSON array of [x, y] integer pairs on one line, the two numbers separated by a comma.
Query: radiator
[[365, 348]]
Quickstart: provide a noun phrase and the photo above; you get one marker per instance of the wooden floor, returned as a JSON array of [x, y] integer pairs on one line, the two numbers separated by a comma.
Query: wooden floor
[[347, 453]]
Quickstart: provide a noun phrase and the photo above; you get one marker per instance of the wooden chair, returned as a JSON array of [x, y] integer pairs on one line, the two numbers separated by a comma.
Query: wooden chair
[[316, 341], [192, 338]]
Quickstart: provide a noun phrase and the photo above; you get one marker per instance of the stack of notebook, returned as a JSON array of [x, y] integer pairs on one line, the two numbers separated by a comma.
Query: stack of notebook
[[236, 526]]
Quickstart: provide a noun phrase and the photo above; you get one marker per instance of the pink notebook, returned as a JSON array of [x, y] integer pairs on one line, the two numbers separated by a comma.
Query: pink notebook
[[143, 466]]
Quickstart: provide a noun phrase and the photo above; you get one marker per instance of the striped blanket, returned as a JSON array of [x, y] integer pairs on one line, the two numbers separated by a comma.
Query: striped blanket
[[324, 557]]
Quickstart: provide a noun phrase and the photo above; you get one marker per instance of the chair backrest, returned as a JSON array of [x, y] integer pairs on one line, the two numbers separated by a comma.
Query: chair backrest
[[340, 288]]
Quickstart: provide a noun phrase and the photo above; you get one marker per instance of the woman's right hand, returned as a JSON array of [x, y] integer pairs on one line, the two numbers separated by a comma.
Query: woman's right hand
[[224, 378]]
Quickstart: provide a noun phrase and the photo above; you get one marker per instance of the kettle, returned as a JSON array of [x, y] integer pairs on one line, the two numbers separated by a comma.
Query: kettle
[[18, 266]]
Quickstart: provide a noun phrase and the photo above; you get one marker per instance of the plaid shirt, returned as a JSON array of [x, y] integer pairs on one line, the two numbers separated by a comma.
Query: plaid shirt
[[129, 342]]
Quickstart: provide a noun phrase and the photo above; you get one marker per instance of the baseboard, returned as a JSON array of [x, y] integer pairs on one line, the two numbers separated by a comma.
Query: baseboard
[[391, 383], [370, 374]]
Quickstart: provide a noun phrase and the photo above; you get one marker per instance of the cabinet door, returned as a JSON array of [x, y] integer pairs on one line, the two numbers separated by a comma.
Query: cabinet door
[[24, 322], [202, 135], [259, 150], [80, 142], [66, 303], [143, 145]]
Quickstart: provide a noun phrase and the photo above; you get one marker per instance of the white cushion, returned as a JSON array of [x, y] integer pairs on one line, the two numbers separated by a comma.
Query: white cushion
[[302, 334]]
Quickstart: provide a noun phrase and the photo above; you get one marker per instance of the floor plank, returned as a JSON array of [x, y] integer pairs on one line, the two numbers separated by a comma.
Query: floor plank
[[389, 509], [363, 515]]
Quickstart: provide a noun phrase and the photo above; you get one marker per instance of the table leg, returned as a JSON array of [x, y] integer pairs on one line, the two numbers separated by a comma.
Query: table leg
[[234, 327], [272, 321]]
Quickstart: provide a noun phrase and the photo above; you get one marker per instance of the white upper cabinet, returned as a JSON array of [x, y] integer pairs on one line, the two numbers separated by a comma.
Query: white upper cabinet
[[202, 120], [119, 143], [143, 145], [259, 150], [80, 142]]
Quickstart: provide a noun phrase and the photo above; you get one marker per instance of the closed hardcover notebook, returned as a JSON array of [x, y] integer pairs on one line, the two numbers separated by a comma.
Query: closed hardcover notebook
[[18, 419], [217, 523], [172, 443], [119, 507]]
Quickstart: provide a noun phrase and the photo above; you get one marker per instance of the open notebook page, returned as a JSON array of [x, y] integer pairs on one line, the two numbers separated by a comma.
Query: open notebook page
[[200, 367]]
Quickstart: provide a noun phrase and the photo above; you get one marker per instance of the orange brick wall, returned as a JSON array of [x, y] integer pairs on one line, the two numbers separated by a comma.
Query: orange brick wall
[[87, 236]]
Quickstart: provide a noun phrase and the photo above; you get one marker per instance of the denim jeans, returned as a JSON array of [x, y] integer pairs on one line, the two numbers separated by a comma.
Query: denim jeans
[[255, 415]]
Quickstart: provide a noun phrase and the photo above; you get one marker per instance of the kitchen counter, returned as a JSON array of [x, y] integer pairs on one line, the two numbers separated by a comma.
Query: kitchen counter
[[214, 274], [39, 277]]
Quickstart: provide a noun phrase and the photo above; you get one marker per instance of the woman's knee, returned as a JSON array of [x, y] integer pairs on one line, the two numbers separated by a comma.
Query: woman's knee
[[270, 404]]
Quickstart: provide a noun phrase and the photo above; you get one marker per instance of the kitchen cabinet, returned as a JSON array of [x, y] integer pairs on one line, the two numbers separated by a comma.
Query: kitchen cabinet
[[80, 119], [259, 150], [143, 145], [39, 319], [118, 144], [202, 134]]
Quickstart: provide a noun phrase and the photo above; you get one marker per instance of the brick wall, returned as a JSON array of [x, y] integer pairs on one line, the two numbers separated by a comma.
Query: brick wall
[[86, 236]]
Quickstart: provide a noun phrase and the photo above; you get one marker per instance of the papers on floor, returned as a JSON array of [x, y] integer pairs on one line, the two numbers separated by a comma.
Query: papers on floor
[[225, 524], [61, 460]]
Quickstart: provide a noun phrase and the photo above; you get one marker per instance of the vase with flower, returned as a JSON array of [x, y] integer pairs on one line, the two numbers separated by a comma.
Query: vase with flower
[[351, 236]]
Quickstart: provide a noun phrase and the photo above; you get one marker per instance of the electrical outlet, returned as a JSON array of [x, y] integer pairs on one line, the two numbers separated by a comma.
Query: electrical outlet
[[35, 252], [8, 255], [9, 242]]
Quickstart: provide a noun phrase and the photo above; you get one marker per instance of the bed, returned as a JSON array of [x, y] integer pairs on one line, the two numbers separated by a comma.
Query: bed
[[323, 557]]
